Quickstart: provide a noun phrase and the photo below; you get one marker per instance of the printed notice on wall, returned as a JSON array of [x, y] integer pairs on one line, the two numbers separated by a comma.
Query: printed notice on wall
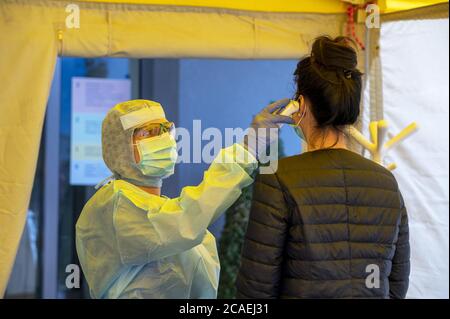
[[91, 100]]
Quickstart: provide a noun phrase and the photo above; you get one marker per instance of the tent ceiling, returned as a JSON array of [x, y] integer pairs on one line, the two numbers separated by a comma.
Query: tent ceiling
[[322, 6]]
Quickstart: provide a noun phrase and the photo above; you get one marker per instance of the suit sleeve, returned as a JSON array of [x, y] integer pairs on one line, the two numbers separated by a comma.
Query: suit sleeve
[[399, 277], [181, 223], [262, 253]]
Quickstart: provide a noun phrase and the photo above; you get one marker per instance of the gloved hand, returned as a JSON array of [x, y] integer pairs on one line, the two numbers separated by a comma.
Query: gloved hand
[[264, 128]]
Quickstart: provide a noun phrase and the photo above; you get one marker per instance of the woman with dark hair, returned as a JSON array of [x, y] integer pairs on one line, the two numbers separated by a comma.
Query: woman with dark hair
[[329, 223]]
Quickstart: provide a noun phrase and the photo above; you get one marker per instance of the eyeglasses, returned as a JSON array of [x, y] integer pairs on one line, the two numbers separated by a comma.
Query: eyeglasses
[[154, 129]]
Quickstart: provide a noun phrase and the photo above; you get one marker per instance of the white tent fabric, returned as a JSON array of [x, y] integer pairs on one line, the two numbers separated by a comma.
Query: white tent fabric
[[33, 32], [414, 56]]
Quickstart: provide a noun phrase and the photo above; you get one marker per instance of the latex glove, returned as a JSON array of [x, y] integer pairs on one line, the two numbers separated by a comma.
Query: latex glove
[[264, 128]]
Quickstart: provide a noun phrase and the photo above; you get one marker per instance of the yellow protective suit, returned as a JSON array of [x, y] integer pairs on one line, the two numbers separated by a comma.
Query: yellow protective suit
[[132, 244]]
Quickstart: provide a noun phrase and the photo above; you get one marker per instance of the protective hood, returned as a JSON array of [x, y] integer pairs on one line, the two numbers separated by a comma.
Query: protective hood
[[117, 139]]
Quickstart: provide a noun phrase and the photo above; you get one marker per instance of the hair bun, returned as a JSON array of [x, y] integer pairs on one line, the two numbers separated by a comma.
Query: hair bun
[[335, 53]]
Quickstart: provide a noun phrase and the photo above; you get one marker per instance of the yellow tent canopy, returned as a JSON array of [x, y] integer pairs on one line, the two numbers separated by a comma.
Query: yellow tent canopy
[[293, 6], [34, 32]]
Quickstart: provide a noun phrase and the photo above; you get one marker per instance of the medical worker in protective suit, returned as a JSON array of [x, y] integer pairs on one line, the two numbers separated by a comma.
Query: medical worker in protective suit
[[134, 243]]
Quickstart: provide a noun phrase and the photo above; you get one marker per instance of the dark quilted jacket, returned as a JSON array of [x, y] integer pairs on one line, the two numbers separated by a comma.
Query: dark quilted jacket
[[321, 227]]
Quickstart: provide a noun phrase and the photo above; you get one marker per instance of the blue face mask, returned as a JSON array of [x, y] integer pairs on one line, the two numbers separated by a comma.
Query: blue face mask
[[297, 129]]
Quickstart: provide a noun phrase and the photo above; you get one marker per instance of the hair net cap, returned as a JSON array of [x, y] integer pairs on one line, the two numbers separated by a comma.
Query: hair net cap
[[117, 139]]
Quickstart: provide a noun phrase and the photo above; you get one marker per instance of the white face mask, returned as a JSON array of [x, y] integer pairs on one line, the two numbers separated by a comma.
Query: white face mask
[[158, 155]]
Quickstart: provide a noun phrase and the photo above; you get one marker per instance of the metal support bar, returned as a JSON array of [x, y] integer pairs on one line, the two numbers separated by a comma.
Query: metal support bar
[[51, 190]]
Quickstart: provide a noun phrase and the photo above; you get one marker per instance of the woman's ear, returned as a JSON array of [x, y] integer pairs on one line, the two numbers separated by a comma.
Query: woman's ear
[[301, 104], [296, 116]]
